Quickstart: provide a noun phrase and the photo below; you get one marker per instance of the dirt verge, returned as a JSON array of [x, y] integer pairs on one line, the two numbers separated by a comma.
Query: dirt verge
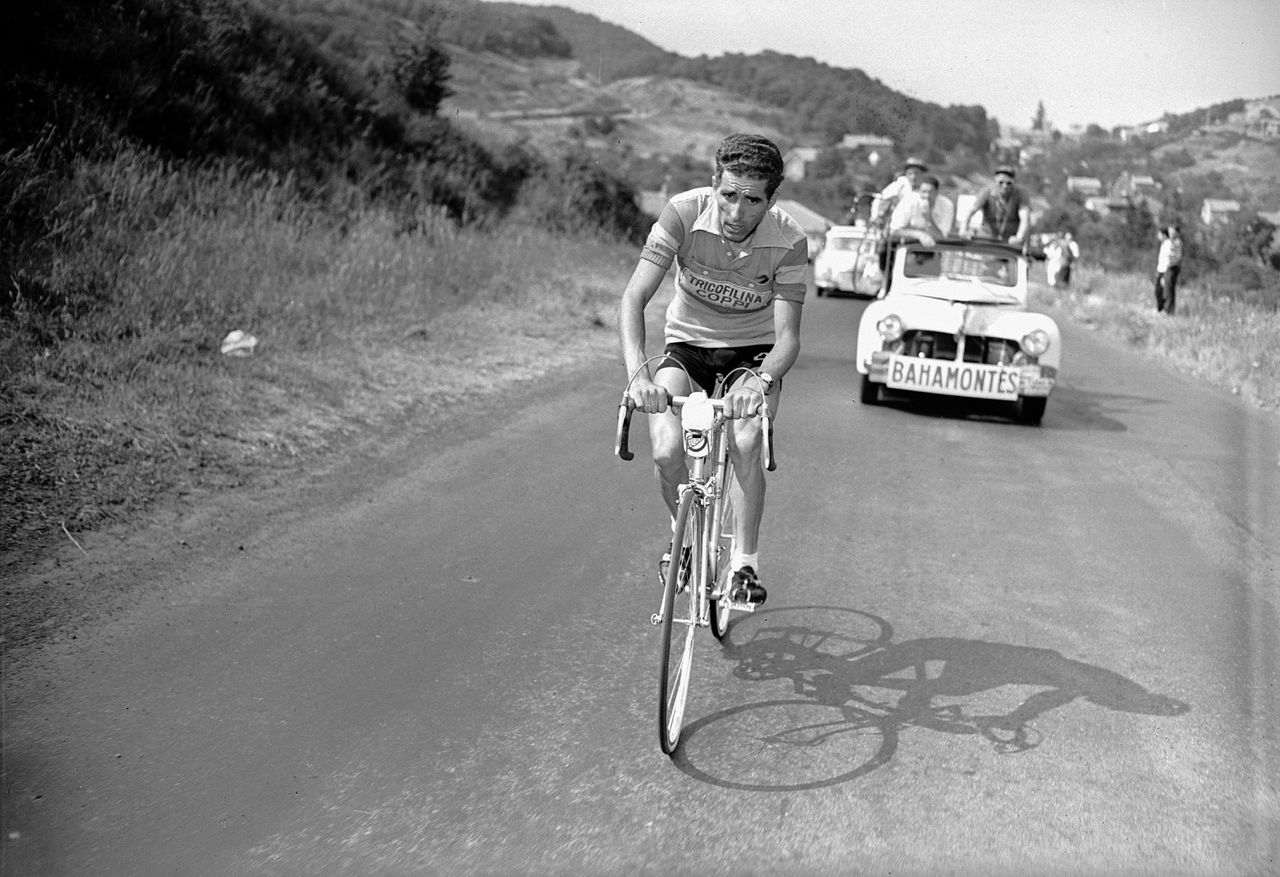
[[476, 361]]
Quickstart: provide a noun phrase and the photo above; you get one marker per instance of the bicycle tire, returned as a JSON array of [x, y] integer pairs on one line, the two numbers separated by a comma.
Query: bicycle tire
[[721, 572], [679, 621]]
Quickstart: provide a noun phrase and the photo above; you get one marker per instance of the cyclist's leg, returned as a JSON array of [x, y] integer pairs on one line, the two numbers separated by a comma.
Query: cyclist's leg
[[747, 487], [666, 438]]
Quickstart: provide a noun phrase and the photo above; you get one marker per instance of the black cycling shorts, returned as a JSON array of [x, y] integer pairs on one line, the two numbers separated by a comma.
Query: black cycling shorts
[[704, 363]]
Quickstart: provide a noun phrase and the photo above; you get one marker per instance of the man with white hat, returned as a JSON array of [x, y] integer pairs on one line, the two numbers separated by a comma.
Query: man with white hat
[[891, 194]]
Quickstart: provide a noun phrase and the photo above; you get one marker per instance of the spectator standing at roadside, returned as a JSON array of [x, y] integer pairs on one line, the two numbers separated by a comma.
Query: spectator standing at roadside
[[1172, 267], [1054, 256], [1070, 255], [1162, 263], [1004, 208]]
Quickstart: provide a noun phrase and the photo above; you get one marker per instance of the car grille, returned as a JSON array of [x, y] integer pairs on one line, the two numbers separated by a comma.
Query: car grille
[[940, 345]]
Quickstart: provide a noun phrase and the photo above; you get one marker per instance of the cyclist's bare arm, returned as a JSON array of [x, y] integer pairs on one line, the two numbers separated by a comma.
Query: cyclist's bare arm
[[786, 348], [641, 288]]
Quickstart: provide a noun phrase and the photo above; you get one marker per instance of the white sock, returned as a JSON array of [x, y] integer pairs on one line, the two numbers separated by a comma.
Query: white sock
[[738, 561]]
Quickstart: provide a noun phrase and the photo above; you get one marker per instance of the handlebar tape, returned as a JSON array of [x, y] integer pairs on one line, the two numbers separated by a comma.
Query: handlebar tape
[[624, 430]]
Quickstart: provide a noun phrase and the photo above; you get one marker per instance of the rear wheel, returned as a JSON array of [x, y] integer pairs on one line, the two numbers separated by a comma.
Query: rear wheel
[[1029, 409], [721, 571], [870, 394], [679, 622]]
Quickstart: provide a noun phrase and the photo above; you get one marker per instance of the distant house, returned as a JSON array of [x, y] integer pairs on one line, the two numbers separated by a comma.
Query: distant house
[[1084, 185], [1127, 133], [1215, 211], [795, 164], [1134, 186], [1262, 118], [865, 141], [1102, 205], [1005, 150], [815, 225]]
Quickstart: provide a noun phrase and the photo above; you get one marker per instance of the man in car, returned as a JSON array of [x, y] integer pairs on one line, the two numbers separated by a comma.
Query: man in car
[[739, 288], [913, 218], [1005, 210], [893, 194]]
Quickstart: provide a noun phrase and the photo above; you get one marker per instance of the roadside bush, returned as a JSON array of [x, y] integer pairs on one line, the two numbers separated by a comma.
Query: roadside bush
[[1245, 273]]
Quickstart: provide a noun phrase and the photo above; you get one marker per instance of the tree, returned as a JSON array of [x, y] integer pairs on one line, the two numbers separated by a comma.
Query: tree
[[1038, 120], [421, 73]]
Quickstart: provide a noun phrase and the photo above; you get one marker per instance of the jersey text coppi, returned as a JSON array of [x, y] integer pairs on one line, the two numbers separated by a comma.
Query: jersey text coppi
[[722, 294]]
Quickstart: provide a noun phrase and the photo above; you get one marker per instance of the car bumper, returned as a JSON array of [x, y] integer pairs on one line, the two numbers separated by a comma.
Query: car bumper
[[964, 379]]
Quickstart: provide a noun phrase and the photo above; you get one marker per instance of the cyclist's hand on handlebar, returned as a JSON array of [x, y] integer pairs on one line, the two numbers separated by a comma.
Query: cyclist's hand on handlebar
[[647, 396], [745, 401]]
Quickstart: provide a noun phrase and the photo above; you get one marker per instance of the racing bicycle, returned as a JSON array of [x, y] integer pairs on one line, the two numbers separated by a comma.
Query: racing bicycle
[[695, 589]]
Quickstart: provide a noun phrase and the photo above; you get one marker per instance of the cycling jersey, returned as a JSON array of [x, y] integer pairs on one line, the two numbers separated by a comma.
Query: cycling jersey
[[725, 290]]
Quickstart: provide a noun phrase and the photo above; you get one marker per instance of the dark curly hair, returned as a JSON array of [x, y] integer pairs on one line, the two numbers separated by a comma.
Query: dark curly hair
[[751, 155]]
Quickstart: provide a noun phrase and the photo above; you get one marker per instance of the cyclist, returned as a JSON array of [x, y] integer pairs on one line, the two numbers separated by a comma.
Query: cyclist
[[739, 287]]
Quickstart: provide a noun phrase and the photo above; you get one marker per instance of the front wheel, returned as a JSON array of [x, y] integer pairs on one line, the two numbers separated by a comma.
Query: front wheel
[[870, 394], [679, 621], [1029, 409]]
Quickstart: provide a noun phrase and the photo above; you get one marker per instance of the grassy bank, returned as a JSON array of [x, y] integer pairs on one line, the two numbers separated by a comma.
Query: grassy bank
[[1213, 337], [116, 395], [115, 391]]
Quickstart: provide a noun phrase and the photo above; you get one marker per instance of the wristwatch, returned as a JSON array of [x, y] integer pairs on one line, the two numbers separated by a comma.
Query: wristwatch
[[767, 380]]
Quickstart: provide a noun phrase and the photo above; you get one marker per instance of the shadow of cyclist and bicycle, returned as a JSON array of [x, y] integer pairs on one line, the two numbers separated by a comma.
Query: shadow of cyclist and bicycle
[[853, 691]]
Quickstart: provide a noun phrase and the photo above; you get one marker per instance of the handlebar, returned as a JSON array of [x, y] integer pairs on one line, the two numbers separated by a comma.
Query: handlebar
[[625, 408]]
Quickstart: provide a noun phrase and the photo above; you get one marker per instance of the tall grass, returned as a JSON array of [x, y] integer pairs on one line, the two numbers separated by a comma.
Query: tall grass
[[1213, 335], [115, 391]]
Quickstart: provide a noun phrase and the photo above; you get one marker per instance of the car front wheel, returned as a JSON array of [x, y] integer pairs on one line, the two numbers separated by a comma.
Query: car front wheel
[[870, 394], [1029, 409]]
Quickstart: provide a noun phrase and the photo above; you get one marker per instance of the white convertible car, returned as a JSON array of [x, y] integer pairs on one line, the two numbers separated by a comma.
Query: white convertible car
[[954, 322], [849, 262]]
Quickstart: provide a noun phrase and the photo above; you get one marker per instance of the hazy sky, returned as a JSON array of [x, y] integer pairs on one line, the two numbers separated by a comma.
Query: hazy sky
[[1106, 61]]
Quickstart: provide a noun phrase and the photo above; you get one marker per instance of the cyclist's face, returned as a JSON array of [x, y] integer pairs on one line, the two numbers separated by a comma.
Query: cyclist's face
[[743, 202]]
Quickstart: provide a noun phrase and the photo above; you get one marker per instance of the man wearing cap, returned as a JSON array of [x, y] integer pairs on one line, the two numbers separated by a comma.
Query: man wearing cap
[[1006, 212], [904, 185], [916, 216]]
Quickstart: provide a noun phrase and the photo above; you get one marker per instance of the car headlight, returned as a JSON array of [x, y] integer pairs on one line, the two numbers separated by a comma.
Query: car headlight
[[890, 327], [1035, 342]]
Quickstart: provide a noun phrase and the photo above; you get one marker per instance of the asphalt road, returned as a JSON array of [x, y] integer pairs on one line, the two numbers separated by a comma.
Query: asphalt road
[[988, 649]]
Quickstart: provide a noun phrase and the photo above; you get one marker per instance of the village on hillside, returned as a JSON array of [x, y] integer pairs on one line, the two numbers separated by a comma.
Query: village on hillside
[[1033, 150]]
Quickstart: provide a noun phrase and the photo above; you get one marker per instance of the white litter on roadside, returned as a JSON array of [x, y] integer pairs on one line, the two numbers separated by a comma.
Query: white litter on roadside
[[238, 343]]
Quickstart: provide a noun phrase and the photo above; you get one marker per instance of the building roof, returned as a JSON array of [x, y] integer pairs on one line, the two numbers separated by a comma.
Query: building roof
[[810, 220], [855, 141], [804, 153]]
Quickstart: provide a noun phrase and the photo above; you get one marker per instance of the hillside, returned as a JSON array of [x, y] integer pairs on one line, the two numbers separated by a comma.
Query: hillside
[[660, 127]]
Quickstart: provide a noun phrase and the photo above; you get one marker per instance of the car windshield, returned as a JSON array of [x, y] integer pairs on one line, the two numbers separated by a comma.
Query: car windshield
[[991, 268], [844, 243]]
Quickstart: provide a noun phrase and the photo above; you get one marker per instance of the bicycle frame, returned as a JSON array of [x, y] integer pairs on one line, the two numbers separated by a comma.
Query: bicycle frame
[[703, 426], [698, 554]]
